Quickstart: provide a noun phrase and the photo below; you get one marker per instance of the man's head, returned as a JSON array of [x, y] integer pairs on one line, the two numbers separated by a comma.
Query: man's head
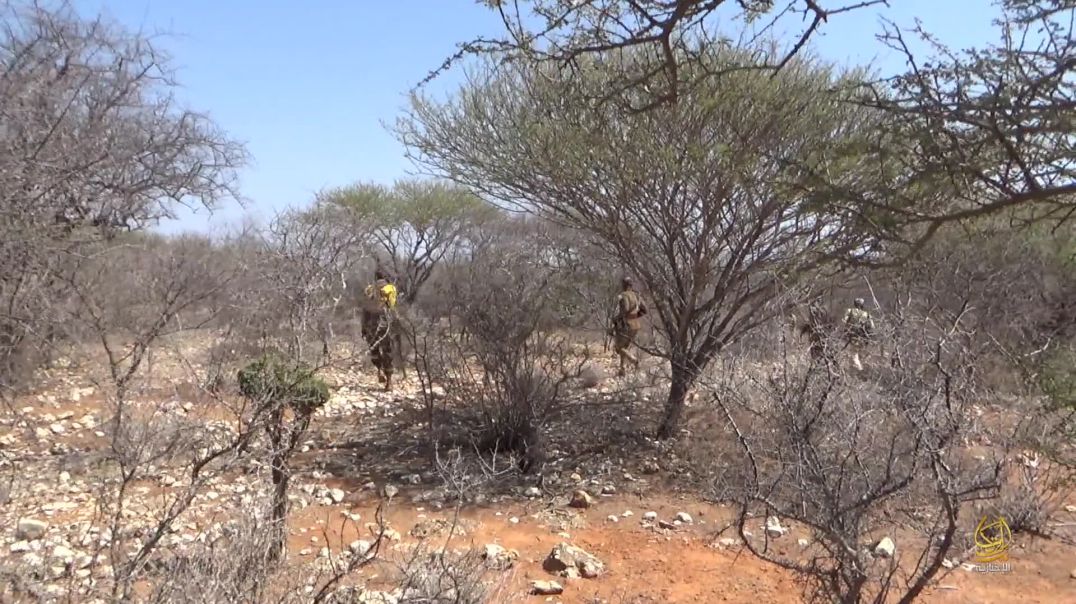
[[380, 274], [626, 283], [859, 303]]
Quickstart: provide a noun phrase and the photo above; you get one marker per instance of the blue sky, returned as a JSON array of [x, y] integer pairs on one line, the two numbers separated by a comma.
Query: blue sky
[[308, 86]]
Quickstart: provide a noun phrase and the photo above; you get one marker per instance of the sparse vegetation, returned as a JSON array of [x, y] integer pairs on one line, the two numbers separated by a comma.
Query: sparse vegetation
[[195, 418]]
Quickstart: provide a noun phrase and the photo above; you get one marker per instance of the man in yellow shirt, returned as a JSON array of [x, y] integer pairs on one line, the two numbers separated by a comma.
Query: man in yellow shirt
[[378, 318]]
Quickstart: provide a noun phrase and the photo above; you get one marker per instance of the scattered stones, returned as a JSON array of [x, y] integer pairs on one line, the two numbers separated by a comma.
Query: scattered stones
[[684, 518], [885, 548], [803, 543], [532, 492], [337, 495], [390, 491], [30, 528], [498, 558], [546, 588], [627, 514], [774, 528], [613, 518], [570, 561], [581, 499], [57, 428], [650, 467], [651, 516], [728, 542], [609, 490]]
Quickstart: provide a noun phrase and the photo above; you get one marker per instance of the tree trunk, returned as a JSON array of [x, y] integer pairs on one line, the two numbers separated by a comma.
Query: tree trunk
[[280, 476], [682, 379]]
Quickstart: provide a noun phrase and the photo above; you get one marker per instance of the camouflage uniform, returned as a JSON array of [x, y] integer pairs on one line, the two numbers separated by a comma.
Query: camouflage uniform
[[378, 319], [859, 326], [626, 325]]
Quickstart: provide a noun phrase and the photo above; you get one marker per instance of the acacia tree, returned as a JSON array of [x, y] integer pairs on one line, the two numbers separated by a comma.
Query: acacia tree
[[990, 128], [698, 199], [415, 224], [563, 33]]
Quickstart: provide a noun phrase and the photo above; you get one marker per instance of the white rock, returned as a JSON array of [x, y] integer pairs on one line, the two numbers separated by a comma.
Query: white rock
[[728, 542], [57, 428], [360, 547], [513, 520], [803, 543], [628, 514], [684, 518], [885, 548], [65, 476], [650, 516], [30, 528], [774, 528], [42, 433], [63, 554], [546, 588], [613, 518], [337, 495], [1070, 508], [532, 492], [305, 551], [19, 547]]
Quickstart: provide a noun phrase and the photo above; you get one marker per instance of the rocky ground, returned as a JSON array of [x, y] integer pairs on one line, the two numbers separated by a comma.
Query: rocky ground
[[617, 517]]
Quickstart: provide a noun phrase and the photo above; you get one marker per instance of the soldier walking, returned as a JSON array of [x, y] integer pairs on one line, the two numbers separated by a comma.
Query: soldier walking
[[378, 319], [859, 327], [626, 324]]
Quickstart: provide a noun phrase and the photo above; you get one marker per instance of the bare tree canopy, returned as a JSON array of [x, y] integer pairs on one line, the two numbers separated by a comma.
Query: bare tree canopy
[[987, 129], [699, 199], [91, 140], [660, 35]]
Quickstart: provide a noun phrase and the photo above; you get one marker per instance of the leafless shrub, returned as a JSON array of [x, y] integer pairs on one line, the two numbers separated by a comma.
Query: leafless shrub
[[510, 368], [439, 575], [846, 455]]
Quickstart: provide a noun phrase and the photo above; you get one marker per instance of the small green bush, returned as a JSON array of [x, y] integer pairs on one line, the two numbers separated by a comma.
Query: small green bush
[[270, 379]]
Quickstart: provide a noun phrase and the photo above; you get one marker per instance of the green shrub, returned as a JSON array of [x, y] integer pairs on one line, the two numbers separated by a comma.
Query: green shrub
[[271, 379]]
